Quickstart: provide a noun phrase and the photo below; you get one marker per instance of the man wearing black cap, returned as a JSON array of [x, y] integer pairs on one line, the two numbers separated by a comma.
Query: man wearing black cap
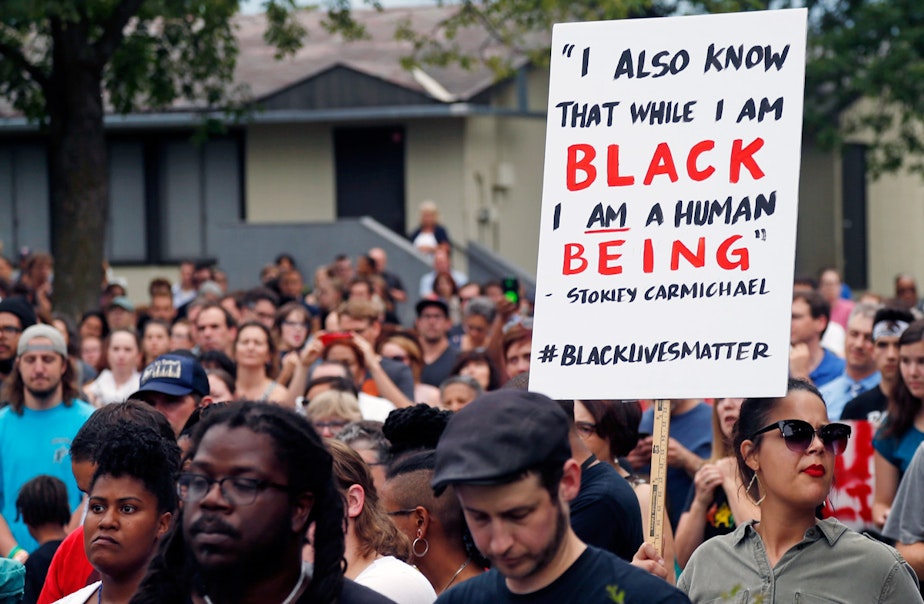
[[508, 456], [16, 314], [433, 328], [174, 383]]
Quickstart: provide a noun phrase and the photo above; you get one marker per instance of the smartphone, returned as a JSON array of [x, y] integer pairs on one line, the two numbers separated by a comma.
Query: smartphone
[[511, 287], [328, 338]]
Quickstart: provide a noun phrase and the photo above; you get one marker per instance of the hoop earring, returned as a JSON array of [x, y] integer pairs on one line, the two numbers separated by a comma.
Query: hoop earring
[[748, 490], [418, 540]]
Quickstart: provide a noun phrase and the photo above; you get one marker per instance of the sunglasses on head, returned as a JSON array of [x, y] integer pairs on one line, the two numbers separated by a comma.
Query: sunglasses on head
[[798, 435]]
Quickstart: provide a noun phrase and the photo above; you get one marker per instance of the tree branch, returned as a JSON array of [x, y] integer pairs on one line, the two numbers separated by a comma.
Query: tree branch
[[113, 30], [15, 55]]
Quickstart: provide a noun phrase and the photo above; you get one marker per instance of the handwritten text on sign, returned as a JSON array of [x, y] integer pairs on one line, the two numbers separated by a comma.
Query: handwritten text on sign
[[669, 207]]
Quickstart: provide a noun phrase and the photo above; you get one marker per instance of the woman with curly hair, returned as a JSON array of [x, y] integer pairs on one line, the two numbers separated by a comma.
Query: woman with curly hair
[[131, 506], [441, 545]]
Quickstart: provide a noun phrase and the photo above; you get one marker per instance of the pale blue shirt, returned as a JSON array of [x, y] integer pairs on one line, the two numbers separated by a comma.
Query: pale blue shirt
[[843, 389]]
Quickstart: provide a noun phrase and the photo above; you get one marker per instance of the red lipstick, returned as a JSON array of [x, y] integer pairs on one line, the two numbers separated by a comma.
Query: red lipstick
[[815, 471]]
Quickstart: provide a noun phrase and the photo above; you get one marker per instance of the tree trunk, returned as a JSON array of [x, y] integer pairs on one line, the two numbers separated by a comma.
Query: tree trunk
[[78, 171]]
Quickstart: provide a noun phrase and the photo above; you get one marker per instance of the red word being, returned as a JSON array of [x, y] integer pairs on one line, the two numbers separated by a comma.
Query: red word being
[[575, 260], [581, 172]]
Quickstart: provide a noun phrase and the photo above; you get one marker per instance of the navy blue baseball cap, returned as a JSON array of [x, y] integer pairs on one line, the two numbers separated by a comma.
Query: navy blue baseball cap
[[498, 436], [175, 375]]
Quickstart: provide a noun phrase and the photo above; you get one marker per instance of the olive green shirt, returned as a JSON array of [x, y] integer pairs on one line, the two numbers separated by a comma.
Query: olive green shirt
[[831, 564]]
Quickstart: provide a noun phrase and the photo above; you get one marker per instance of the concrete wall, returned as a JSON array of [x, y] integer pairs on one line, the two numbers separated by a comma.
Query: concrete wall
[[895, 226], [289, 173], [819, 236], [433, 169]]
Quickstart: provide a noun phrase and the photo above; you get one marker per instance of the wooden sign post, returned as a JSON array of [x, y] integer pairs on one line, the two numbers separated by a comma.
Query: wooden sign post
[[660, 434]]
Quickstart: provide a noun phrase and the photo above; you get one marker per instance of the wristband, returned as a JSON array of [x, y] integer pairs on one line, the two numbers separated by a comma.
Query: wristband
[[18, 553]]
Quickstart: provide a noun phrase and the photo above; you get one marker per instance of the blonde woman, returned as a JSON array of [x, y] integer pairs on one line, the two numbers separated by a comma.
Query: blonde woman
[[331, 410]]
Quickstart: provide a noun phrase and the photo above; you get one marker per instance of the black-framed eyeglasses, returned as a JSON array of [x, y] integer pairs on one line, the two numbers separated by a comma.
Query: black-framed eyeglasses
[[585, 428], [10, 330], [401, 512], [237, 490], [798, 435]]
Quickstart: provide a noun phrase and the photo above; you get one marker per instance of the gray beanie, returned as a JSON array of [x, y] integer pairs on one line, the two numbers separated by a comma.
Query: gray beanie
[[42, 331]]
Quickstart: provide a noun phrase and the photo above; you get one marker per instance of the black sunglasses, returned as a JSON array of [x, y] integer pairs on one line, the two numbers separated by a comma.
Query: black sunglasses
[[799, 434]]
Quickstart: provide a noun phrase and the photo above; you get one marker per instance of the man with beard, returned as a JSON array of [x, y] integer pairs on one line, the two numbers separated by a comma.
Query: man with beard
[[16, 314], [242, 542], [508, 457], [36, 428], [433, 328]]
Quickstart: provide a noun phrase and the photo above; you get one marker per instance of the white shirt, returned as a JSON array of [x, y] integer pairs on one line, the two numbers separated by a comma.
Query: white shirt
[[374, 408], [105, 391], [80, 596], [396, 580]]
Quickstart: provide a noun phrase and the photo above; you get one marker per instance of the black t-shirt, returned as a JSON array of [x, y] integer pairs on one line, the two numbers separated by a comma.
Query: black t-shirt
[[719, 517], [605, 513], [438, 370], [869, 406], [352, 593], [36, 570], [596, 577]]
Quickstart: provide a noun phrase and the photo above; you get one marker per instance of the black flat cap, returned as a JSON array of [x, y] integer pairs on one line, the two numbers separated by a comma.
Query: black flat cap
[[428, 302], [20, 307], [498, 436]]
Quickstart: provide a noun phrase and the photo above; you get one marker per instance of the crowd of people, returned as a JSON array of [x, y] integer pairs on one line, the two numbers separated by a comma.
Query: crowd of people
[[361, 460]]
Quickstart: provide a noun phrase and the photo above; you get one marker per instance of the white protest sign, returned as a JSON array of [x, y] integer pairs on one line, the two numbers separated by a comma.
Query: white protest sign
[[670, 192]]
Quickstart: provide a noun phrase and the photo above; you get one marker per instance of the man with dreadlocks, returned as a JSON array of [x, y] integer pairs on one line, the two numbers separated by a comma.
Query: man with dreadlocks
[[241, 543]]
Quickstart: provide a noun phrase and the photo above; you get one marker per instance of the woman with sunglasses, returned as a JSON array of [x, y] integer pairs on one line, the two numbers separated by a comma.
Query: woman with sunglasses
[[785, 449]]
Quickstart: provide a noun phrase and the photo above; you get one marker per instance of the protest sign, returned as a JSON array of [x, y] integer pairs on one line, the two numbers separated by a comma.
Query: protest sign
[[851, 499], [667, 234]]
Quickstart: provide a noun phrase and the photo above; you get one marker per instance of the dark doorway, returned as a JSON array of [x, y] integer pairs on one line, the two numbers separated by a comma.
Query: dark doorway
[[854, 186], [370, 174]]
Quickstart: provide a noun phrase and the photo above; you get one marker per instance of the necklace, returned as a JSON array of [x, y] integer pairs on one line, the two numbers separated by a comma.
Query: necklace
[[456, 575], [292, 594]]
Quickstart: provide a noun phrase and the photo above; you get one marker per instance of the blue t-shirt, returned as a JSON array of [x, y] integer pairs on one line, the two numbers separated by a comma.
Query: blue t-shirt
[[829, 368], [693, 430], [898, 451], [34, 443]]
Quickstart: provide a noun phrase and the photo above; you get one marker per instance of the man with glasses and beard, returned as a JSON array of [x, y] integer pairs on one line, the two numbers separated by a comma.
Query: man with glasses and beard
[[508, 457], [258, 475], [16, 314], [44, 413]]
